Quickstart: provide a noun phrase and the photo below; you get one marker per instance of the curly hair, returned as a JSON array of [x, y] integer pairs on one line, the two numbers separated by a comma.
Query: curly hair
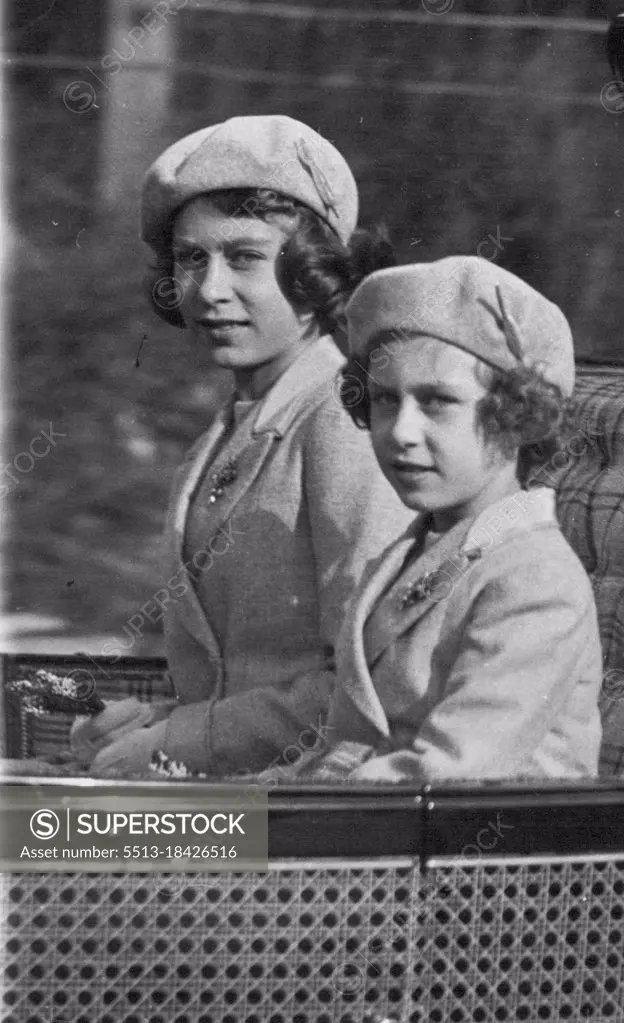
[[315, 270], [521, 412]]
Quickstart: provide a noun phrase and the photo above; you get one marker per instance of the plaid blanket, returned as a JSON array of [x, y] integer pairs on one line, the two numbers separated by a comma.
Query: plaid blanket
[[590, 505]]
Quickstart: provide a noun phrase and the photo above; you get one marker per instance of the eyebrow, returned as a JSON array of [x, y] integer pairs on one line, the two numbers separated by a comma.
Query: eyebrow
[[242, 239], [425, 388]]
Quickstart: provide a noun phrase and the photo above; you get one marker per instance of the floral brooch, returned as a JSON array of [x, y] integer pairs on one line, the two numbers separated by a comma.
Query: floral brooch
[[419, 590], [222, 479], [438, 583]]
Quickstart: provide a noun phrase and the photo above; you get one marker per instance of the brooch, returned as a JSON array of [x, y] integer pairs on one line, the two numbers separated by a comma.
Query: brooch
[[222, 479], [438, 584], [420, 590]]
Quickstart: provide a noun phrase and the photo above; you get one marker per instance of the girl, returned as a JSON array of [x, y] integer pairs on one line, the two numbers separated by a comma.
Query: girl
[[471, 649], [278, 507]]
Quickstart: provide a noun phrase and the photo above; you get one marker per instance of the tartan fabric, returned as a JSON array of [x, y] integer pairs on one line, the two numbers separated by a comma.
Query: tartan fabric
[[590, 505]]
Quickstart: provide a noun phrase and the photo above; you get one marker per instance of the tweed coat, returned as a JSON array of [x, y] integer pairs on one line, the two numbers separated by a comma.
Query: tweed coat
[[481, 660], [292, 535]]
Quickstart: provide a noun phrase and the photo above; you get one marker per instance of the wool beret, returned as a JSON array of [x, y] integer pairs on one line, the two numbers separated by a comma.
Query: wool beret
[[270, 151], [468, 302]]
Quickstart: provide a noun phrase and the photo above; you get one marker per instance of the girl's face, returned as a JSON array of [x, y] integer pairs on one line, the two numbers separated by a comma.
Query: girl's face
[[230, 300], [423, 418]]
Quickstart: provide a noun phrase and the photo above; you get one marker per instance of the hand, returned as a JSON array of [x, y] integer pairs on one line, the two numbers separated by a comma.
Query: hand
[[89, 735], [131, 754]]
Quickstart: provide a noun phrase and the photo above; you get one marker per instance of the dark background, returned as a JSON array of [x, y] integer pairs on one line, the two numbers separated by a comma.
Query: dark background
[[458, 132]]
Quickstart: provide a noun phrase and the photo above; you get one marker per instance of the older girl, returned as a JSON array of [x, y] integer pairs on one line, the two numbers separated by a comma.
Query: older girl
[[278, 507], [471, 650]]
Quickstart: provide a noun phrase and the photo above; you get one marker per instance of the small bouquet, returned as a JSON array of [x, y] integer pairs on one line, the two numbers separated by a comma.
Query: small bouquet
[[42, 692]]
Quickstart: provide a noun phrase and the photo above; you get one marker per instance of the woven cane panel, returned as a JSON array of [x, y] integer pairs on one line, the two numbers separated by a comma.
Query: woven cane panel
[[317, 946]]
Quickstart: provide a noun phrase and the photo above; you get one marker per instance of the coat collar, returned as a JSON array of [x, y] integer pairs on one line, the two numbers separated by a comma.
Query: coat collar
[[316, 367], [428, 581], [517, 513], [312, 373]]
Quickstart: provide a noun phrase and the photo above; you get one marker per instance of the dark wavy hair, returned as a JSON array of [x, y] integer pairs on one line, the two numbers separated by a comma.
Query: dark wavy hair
[[521, 412], [315, 270]]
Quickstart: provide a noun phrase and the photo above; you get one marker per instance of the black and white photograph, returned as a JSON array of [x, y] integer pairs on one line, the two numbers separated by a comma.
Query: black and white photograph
[[312, 649]]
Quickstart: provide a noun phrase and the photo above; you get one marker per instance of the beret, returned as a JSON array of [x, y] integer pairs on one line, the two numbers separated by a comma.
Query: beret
[[468, 302], [270, 151]]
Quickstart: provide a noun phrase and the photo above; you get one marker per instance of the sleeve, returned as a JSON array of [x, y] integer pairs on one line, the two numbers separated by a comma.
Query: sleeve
[[528, 633], [353, 514]]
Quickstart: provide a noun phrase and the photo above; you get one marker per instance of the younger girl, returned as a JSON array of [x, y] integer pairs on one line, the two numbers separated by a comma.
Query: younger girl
[[471, 649]]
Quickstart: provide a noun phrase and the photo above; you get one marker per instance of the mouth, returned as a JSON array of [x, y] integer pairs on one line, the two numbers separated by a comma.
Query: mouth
[[410, 471], [221, 326], [400, 465]]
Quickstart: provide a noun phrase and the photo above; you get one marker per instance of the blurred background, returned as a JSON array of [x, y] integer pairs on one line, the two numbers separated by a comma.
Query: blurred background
[[471, 126]]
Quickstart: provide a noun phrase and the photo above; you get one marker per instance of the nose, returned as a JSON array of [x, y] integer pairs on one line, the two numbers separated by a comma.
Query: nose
[[408, 427], [215, 285]]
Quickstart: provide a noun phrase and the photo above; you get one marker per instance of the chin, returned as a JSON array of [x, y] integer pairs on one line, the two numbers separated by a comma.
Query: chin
[[415, 502], [229, 358]]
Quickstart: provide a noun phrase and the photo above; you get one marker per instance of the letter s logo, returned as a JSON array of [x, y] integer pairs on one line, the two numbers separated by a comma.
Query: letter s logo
[[44, 824]]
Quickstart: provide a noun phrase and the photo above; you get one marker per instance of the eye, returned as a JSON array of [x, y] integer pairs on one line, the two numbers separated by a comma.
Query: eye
[[190, 258], [245, 258], [434, 403], [383, 399]]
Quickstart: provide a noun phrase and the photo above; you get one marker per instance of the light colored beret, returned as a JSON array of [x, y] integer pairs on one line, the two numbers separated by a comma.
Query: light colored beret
[[272, 151], [468, 302]]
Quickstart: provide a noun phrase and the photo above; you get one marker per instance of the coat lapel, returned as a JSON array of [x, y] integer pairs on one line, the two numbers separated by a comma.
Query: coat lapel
[[424, 584], [384, 611], [313, 373], [352, 667], [189, 475], [186, 482], [246, 456], [250, 457]]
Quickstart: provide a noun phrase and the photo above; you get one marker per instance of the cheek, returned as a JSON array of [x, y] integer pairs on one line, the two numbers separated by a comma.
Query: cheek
[[278, 306], [380, 431], [175, 292], [473, 456], [461, 434], [377, 423], [273, 316], [261, 288], [184, 283]]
